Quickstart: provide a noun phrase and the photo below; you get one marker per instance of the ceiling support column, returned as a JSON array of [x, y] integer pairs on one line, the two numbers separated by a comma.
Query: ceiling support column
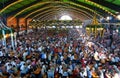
[[18, 28], [26, 27]]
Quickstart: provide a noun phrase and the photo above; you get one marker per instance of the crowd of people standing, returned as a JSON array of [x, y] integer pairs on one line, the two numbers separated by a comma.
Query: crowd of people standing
[[65, 54]]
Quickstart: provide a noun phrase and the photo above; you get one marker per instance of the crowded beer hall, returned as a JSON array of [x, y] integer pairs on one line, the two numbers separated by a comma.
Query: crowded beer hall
[[59, 38]]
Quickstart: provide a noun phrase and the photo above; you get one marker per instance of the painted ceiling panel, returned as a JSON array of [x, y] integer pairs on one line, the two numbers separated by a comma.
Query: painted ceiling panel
[[33, 9], [25, 7]]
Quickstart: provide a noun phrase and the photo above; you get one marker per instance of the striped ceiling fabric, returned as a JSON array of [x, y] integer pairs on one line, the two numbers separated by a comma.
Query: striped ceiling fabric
[[39, 8]]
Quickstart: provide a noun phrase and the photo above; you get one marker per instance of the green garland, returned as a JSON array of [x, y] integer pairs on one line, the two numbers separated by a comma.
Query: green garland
[[94, 26], [7, 31]]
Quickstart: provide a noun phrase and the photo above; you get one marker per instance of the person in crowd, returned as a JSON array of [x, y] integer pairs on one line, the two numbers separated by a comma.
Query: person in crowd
[[61, 55]]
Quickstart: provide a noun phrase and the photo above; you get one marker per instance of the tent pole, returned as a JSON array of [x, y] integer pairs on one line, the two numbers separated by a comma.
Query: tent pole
[[12, 40], [15, 39], [4, 38]]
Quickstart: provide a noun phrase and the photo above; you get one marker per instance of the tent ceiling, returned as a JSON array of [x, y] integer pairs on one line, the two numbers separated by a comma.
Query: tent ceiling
[[33, 8]]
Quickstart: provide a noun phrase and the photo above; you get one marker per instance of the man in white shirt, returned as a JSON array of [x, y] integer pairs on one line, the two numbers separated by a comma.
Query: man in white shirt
[[60, 70], [96, 56], [72, 57], [8, 66], [1, 53], [40, 48], [25, 54], [61, 58], [24, 70]]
